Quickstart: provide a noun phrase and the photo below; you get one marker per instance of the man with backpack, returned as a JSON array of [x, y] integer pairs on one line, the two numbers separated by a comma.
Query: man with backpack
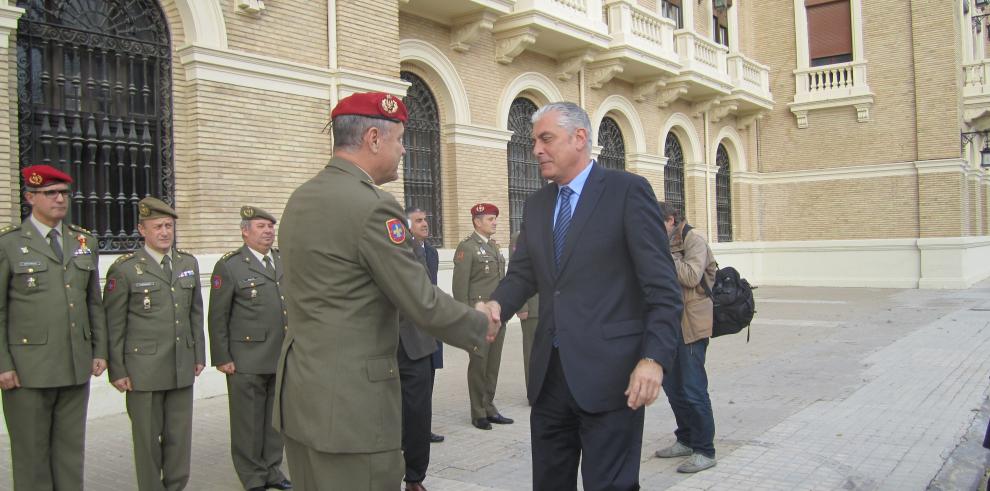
[[686, 383]]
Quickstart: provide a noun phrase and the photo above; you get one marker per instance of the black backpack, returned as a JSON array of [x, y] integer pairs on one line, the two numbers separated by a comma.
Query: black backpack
[[734, 303]]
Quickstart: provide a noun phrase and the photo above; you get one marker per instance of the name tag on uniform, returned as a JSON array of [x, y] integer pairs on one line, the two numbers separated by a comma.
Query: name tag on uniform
[[187, 273], [145, 284], [27, 264]]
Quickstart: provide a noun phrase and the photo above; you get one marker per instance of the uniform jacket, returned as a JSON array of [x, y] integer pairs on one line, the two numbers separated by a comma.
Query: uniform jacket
[[416, 342], [349, 271], [693, 258], [51, 315], [478, 267], [614, 299], [248, 316], [155, 323]]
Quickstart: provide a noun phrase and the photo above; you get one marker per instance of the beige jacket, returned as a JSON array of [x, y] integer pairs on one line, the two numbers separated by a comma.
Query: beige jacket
[[692, 258]]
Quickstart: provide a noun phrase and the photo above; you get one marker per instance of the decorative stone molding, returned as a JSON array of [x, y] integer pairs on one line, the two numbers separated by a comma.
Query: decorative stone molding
[[863, 111], [600, 74], [250, 7], [723, 110], [467, 30], [743, 122], [645, 90], [703, 106], [645, 162], [8, 22], [671, 93], [572, 63], [801, 117], [477, 136], [511, 44]]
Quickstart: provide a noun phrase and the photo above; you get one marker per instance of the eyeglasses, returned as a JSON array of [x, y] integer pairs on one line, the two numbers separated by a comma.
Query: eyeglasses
[[52, 193]]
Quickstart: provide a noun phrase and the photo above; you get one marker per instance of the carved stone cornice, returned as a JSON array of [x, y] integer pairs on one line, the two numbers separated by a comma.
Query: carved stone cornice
[[723, 110], [743, 122], [510, 44], [468, 29], [671, 93], [573, 62], [600, 74], [703, 106], [250, 7], [645, 90]]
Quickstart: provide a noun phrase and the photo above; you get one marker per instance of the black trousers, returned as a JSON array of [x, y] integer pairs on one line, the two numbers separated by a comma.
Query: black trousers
[[611, 442], [416, 377]]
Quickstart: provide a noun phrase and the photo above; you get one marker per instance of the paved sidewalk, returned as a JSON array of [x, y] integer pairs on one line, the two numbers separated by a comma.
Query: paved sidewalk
[[840, 388]]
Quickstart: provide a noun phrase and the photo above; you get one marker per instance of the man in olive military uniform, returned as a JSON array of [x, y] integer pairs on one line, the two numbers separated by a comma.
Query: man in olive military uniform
[[349, 271], [529, 317], [247, 325], [52, 335], [478, 267], [154, 311]]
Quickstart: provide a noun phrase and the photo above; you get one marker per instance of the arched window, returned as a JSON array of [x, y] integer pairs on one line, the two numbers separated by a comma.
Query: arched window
[[94, 90], [673, 173], [421, 174], [723, 195], [613, 155], [524, 170]]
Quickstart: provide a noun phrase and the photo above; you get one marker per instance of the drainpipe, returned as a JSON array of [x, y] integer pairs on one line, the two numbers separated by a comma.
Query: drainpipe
[[581, 100], [708, 190]]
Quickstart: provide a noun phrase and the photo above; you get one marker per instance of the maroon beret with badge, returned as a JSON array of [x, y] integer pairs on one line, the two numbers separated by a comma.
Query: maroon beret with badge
[[39, 176], [372, 105], [484, 209]]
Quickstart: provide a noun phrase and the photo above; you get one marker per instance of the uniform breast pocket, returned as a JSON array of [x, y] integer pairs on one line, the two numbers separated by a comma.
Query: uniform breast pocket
[[145, 296], [84, 266], [248, 288], [30, 275], [487, 265]]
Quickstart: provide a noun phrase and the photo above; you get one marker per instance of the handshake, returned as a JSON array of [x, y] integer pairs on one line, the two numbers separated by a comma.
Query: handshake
[[493, 311]]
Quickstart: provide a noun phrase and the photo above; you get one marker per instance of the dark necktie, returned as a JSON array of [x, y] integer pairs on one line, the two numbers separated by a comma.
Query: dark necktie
[[563, 223], [167, 266], [269, 267], [56, 248]]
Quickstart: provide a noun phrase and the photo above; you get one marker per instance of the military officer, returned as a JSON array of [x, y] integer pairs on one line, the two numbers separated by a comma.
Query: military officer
[[154, 314], [247, 325], [349, 270], [52, 335], [478, 267], [529, 317]]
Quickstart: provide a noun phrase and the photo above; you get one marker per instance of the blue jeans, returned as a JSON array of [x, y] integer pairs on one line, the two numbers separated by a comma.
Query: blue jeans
[[686, 386]]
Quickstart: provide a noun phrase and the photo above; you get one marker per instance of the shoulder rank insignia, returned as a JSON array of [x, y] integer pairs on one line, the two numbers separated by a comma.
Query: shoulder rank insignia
[[228, 255], [124, 258], [396, 231], [8, 229]]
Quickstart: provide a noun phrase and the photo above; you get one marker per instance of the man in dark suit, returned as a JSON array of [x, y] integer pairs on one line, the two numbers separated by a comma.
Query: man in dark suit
[[593, 245], [416, 348]]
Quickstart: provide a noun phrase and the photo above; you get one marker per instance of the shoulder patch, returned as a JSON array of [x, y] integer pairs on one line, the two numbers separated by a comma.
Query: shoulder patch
[[396, 230], [459, 256], [216, 282]]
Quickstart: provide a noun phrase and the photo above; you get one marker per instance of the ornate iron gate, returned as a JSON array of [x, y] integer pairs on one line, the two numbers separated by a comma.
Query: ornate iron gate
[[613, 155], [95, 100], [673, 174], [524, 170], [421, 169], [723, 195]]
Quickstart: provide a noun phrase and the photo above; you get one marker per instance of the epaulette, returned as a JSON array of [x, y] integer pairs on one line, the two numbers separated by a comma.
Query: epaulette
[[77, 228], [123, 258], [9, 228], [180, 251], [228, 255]]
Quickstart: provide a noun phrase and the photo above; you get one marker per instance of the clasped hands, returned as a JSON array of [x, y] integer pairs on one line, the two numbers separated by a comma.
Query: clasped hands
[[493, 311]]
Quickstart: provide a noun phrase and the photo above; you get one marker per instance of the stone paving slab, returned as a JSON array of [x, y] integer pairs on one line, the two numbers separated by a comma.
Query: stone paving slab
[[839, 388]]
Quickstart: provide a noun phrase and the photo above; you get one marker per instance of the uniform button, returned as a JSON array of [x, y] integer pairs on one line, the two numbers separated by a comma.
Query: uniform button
[[135, 350], [70, 305], [173, 288], [282, 297], [30, 270], [67, 285], [285, 328], [25, 340], [176, 322], [390, 371], [72, 324], [176, 340], [176, 305], [285, 312]]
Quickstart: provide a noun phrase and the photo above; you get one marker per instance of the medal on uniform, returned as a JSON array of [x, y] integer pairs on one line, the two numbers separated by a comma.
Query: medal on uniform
[[254, 294], [31, 282], [147, 303], [82, 250], [138, 269], [487, 269], [24, 250]]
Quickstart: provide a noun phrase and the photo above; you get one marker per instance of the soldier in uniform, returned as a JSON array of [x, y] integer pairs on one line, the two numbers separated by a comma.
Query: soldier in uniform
[[478, 267], [349, 271], [529, 317], [52, 335], [247, 325], [154, 314]]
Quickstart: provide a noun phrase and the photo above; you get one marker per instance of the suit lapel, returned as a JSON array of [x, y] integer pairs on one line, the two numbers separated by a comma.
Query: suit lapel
[[150, 266], [36, 241], [592, 191]]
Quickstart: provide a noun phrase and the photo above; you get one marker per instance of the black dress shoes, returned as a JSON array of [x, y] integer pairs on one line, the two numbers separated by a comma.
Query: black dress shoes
[[435, 438], [283, 484], [500, 420], [482, 424]]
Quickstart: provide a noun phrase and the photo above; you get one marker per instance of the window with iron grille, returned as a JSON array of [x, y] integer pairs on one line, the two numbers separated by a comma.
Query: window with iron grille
[[94, 89], [723, 195], [613, 155], [673, 174], [421, 169], [524, 170]]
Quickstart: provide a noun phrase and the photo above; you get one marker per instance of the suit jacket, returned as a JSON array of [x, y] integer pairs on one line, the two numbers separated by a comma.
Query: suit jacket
[[615, 298], [416, 342], [49, 333], [349, 270], [155, 322], [248, 318], [432, 268]]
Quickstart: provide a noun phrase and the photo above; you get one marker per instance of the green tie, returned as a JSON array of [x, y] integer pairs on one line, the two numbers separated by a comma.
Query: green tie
[[56, 248], [167, 266], [268, 266]]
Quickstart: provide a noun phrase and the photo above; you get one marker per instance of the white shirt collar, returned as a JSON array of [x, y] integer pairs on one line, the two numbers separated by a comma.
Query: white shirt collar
[[44, 229], [260, 256]]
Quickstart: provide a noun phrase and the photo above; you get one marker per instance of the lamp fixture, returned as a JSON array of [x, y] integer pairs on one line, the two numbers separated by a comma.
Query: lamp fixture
[[966, 137]]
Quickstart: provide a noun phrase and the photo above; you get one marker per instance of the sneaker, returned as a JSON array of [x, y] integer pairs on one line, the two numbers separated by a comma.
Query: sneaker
[[678, 449], [696, 463]]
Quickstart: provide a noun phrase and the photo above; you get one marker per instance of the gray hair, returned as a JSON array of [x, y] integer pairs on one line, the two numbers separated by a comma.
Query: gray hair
[[245, 224], [571, 118], [348, 130]]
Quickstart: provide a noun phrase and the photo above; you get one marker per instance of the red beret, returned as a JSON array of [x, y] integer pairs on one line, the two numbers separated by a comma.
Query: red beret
[[372, 105], [484, 209], [39, 176]]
